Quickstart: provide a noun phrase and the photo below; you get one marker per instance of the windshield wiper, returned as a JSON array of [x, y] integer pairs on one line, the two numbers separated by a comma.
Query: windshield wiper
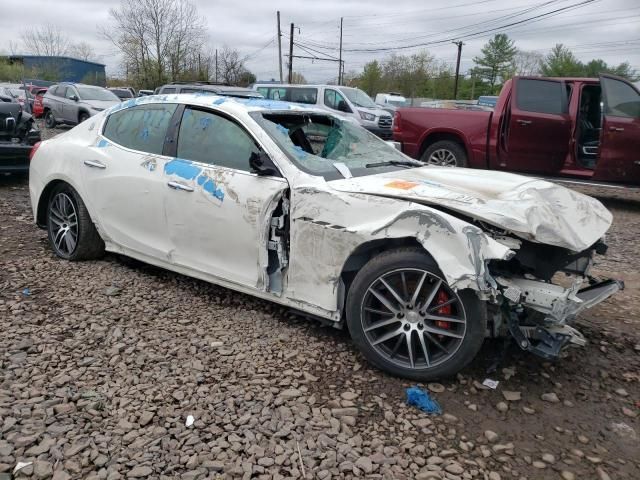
[[395, 163]]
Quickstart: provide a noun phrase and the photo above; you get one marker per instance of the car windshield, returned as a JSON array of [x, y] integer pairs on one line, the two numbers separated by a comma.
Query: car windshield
[[96, 93], [328, 146], [358, 97]]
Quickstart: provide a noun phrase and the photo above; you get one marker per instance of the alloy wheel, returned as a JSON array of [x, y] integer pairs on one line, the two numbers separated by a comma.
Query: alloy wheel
[[63, 222], [413, 319], [442, 157]]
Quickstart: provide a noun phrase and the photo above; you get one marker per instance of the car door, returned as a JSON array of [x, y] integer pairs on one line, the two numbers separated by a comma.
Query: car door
[[123, 176], [56, 101], [619, 159], [219, 215], [70, 105], [538, 136]]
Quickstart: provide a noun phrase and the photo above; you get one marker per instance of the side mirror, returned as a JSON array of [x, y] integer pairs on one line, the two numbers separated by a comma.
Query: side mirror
[[74, 98], [343, 107], [262, 165]]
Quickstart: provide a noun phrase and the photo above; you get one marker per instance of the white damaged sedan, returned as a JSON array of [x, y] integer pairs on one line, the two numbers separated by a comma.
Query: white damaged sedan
[[306, 209]]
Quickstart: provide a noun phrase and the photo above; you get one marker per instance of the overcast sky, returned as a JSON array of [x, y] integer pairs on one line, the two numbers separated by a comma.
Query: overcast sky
[[607, 29]]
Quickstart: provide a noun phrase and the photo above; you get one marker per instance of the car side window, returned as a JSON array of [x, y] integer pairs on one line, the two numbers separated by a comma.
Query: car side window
[[304, 95], [168, 90], [70, 93], [210, 138], [332, 98], [621, 99], [541, 96], [277, 93], [141, 128], [61, 91]]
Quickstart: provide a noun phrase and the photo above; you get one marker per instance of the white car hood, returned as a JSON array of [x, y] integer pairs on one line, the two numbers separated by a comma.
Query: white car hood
[[529, 208]]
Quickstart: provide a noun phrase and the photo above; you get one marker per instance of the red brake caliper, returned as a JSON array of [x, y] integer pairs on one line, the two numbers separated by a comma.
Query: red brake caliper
[[442, 297]]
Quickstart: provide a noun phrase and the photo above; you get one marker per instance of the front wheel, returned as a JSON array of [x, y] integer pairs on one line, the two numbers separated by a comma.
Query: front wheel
[[49, 119], [407, 321], [72, 234], [445, 153]]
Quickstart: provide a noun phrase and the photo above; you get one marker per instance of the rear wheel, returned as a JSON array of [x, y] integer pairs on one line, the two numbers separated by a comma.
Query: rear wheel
[[407, 321], [72, 234], [445, 153], [49, 119], [82, 117]]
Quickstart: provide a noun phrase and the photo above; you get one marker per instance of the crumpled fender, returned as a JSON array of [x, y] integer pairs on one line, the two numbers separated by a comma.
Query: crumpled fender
[[327, 227]]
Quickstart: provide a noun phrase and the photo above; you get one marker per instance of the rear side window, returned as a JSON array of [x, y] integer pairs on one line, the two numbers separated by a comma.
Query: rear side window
[[621, 99], [264, 91], [304, 95], [141, 128], [541, 96], [168, 90], [277, 94], [209, 138]]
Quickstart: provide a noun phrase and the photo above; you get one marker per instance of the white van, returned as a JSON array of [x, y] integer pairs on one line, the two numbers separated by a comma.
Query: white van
[[391, 101], [351, 102]]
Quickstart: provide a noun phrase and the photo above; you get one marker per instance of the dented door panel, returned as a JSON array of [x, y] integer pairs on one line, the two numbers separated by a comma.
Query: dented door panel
[[222, 226]]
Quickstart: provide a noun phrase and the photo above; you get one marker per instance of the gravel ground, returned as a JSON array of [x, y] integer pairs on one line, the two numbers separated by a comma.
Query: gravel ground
[[114, 369]]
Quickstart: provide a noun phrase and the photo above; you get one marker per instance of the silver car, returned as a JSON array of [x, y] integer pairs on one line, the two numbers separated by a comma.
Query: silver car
[[73, 103]]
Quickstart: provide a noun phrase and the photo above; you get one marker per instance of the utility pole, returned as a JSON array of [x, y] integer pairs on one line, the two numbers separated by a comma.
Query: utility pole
[[216, 65], [340, 57], [291, 55], [455, 85], [279, 47]]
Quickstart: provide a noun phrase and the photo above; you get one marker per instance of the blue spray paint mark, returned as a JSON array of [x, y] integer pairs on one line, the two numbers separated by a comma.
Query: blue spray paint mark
[[182, 168], [300, 153], [205, 122], [267, 104], [283, 130], [220, 101], [144, 135], [210, 186], [102, 143]]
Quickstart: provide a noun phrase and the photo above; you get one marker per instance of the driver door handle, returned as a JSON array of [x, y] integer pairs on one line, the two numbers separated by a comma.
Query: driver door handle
[[616, 129], [524, 122], [180, 186], [95, 164]]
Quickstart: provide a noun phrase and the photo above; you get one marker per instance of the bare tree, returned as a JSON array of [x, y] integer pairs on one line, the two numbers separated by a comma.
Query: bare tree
[[298, 78], [159, 39], [46, 40], [527, 62], [83, 51], [230, 65]]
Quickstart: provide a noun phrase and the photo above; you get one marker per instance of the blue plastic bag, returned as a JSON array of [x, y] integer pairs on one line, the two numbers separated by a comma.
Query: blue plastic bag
[[419, 398]]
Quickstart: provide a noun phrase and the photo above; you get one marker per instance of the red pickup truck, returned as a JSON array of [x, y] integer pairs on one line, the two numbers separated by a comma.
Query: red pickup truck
[[584, 129]]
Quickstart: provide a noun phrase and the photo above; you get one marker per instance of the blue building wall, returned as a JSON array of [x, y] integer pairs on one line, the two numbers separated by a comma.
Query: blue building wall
[[67, 69]]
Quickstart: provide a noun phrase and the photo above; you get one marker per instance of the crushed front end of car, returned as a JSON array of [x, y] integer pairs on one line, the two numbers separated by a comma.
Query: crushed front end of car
[[18, 135], [542, 289]]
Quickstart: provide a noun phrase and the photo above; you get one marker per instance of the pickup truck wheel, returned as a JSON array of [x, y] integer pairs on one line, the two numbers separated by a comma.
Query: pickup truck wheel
[[446, 154], [407, 321], [49, 119], [71, 232]]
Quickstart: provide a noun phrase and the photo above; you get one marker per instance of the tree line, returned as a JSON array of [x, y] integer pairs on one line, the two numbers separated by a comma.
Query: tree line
[[422, 75]]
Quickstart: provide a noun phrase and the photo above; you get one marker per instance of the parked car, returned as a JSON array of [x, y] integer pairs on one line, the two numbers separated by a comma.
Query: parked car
[[18, 135], [6, 95], [305, 208], [207, 88], [143, 93], [37, 108], [347, 101], [73, 103], [391, 101], [122, 93], [582, 129]]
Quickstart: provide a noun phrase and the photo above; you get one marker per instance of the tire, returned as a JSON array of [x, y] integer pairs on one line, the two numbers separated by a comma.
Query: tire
[[445, 153], [462, 336], [82, 117], [80, 241], [49, 119]]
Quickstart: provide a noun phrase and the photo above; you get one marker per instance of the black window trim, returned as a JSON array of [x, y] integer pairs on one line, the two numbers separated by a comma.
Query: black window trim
[[176, 125], [605, 106]]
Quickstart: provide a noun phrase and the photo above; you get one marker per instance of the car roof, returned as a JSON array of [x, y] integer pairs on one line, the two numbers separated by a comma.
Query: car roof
[[227, 104]]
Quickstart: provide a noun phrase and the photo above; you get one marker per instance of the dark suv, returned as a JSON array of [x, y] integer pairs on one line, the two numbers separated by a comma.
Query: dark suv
[[208, 88], [73, 103]]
